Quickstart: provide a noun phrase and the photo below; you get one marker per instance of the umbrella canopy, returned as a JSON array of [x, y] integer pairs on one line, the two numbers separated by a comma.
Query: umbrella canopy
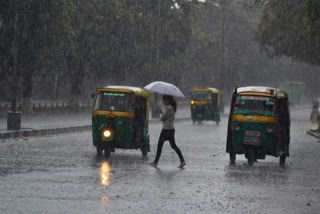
[[164, 88]]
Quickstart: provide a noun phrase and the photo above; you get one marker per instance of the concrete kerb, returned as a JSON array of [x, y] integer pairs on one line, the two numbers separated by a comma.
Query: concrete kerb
[[43, 132]]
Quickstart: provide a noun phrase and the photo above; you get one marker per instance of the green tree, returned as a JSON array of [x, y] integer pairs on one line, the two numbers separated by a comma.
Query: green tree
[[24, 32], [291, 28]]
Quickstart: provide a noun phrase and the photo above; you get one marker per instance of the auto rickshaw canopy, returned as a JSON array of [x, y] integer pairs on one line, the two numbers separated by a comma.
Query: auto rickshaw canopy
[[126, 89], [261, 91], [206, 89]]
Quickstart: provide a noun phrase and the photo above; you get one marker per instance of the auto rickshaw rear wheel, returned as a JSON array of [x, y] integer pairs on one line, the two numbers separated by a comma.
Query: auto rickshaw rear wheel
[[144, 153], [232, 158], [250, 155], [282, 160]]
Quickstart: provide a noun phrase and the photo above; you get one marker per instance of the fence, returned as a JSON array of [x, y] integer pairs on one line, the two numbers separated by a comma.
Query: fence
[[41, 107]]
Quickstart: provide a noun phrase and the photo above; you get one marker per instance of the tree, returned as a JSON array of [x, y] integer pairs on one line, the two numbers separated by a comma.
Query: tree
[[291, 28], [23, 33]]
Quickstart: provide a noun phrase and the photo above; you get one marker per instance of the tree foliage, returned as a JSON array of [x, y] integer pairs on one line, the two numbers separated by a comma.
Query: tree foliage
[[23, 34], [291, 28], [89, 43]]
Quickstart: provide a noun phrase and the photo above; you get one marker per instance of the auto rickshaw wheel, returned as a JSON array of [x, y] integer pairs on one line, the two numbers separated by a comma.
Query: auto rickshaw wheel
[[282, 160], [99, 150], [250, 155], [144, 153], [107, 150], [217, 122], [232, 158]]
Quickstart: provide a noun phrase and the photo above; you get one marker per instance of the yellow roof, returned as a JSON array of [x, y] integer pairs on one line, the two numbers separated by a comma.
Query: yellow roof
[[206, 89], [125, 89]]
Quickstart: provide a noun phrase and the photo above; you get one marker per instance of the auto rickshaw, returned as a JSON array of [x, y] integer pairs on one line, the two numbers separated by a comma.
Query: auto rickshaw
[[206, 104], [120, 119], [259, 124]]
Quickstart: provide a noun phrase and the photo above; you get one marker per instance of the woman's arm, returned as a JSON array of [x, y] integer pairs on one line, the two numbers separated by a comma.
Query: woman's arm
[[164, 115]]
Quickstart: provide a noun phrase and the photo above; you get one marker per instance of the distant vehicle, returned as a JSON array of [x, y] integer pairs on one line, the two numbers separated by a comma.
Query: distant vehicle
[[206, 104], [120, 119], [259, 124], [295, 91]]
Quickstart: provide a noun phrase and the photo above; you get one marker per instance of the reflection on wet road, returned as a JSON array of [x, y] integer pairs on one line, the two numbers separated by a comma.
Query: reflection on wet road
[[105, 173]]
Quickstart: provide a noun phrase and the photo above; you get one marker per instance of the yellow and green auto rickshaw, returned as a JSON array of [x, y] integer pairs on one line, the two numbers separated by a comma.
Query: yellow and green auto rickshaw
[[259, 124], [120, 119], [206, 104]]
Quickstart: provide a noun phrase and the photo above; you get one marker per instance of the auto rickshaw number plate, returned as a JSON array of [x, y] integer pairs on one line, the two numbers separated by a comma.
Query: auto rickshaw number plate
[[252, 138]]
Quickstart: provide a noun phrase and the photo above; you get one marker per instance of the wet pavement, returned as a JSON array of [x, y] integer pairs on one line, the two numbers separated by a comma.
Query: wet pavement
[[61, 174]]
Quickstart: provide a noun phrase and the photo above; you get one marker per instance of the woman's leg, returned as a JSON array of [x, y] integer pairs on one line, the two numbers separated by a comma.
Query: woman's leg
[[160, 144], [174, 146]]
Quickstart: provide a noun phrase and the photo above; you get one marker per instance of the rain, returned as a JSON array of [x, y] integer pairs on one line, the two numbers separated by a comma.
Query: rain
[[80, 118]]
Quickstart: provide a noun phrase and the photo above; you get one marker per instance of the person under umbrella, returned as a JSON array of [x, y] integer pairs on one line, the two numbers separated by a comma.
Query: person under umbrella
[[168, 131]]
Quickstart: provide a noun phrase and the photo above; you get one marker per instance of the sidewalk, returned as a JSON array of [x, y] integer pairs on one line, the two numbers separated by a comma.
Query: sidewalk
[[35, 125]]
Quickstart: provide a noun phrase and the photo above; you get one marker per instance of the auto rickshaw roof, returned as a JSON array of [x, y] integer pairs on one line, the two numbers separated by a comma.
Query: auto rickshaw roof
[[206, 89], [262, 90], [126, 89]]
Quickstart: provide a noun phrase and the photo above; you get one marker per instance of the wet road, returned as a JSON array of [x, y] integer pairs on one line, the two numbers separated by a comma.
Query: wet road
[[61, 174]]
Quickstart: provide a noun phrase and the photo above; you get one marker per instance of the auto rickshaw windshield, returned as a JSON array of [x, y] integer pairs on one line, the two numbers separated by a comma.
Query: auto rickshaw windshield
[[110, 101], [255, 105], [200, 96]]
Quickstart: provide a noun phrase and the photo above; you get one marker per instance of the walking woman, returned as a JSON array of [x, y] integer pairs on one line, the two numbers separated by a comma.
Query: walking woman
[[167, 133]]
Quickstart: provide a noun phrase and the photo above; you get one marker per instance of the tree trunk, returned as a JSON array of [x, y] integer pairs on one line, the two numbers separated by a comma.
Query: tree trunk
[[27, 93], [14, 88], [76, 82]]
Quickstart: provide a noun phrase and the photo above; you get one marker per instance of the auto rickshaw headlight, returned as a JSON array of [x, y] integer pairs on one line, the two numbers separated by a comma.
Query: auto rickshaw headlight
[[192, 102], [107, 133]]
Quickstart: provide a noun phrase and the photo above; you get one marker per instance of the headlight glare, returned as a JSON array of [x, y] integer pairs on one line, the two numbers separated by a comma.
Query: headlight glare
[[107, 133]]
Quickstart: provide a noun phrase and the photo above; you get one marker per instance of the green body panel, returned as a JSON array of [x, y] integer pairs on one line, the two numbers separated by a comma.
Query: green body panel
[[123, 130], [146, 135], [268, 140], [205, 112]]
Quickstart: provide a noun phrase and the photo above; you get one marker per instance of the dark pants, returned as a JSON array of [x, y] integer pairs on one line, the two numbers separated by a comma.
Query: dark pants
[[167, 134]]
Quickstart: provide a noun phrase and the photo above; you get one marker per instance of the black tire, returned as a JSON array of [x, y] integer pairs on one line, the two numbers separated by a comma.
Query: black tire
[[217, 122], [232, 158], [282, 160], [99, 150], [144, 153], [251, 155], [193, 122], [107, 150]]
